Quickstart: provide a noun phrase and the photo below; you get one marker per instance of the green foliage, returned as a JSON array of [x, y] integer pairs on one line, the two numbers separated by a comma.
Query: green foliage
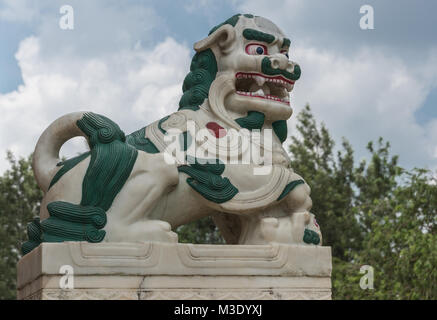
[[200, 231], [19, 203], [331, 180], [376, 214], [401, 240]]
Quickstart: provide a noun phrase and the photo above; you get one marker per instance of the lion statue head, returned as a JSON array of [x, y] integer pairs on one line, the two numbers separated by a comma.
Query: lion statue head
[[242, 67]]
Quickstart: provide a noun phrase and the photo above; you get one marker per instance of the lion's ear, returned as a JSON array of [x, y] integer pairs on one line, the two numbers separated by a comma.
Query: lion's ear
[[223, 37]]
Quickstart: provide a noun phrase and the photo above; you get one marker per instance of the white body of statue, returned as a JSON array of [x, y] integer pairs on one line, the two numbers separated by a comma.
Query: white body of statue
[[252, 78]]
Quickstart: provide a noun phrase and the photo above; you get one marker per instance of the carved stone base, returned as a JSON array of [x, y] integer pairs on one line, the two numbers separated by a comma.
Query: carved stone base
[[174, 271]]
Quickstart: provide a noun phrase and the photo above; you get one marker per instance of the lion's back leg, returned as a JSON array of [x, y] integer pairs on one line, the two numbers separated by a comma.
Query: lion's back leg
[[147, 187]]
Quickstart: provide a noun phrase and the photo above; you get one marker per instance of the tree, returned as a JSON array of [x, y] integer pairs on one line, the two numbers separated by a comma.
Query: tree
[[331, 180], [19, 203], [401, 238], [200, 231], [375, 214]]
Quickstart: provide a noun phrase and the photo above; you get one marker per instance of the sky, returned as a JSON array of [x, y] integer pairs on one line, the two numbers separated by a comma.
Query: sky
[[127, 60]]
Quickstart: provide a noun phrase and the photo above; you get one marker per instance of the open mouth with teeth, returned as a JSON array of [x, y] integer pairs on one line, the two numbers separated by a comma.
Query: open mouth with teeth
[[257, 85]]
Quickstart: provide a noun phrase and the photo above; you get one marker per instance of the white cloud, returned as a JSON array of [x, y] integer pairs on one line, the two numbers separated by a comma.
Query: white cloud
[[116, 62], [361, 90], [17, 10], [369, 95], [132, 87], [101, 66]]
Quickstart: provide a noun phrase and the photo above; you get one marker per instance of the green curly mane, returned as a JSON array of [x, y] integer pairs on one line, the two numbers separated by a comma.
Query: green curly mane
[[203, 71], [196, 84]]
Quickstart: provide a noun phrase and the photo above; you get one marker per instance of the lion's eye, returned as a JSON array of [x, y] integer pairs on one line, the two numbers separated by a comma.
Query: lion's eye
[[256, 49]]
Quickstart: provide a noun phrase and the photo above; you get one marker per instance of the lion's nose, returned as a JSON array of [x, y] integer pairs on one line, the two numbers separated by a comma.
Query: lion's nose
[[279, 64], [280, 61]]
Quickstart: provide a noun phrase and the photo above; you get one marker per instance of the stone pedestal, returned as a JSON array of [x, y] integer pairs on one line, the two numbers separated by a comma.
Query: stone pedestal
[[174, 271]]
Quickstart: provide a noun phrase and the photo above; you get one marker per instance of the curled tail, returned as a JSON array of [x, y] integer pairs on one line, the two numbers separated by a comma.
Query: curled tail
[[46, 154], [111, 163]]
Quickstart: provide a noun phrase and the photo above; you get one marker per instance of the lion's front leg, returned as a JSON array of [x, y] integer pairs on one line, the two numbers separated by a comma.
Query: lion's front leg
[[304, 224], [289, 222]]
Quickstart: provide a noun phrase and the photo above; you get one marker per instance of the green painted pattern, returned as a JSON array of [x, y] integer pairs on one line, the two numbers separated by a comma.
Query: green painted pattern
[[280, 129], [206, 179], [138, 140], [286, 43], [311, 236], [58, 230], [289, 187], [185, 140], [67, 165], [94, 216], [252, 34], [232, 21], [34, 233], [254, 120], [100, 130], [111, 163], [203, 71], [266, 67], [161, 122]]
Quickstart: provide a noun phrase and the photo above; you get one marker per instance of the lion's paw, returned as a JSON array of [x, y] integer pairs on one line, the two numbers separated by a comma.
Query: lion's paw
[[290, 229], [158, 230], [147, 230]]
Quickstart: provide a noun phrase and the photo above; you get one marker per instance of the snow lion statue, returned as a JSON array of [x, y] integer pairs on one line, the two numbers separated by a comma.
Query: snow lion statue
[[196, 162]]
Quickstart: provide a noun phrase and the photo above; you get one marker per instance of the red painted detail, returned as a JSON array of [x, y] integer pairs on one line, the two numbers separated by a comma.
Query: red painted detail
[[281, 77], [217, 130], [274, 98]]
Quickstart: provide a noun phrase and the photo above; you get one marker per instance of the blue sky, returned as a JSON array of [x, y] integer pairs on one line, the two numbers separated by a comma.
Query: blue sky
[[127, 59]]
